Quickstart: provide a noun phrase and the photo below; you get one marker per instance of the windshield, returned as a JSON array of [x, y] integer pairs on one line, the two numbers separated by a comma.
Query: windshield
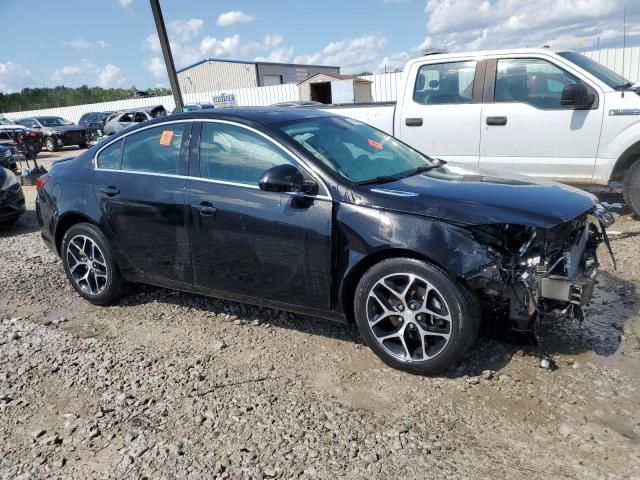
[[596, 69], [54, 121], [354, 150]]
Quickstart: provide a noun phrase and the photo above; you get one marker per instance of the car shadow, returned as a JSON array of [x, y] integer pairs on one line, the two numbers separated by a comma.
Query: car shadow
[[26, 223], [614, 303]]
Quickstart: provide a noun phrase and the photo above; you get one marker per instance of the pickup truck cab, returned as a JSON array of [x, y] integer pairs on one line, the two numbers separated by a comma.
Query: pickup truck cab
[[557, 115]]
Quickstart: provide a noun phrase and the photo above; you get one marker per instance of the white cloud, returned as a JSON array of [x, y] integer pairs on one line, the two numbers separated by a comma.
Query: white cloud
[[107, 76], [110, 76], [14, 77], [353, 55], [233, 17], [124, 3], [185, 30], [81, 43], [156, 67], [78, 43], [473, 24], [85, 67]]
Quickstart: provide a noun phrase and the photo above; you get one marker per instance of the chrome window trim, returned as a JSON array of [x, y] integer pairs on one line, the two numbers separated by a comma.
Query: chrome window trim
[[311, 171]]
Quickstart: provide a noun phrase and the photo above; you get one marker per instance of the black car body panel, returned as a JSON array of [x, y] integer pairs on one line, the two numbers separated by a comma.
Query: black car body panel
[[12, 203], [305, 252]]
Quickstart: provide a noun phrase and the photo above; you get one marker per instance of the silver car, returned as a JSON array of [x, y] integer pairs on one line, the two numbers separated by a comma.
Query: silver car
[[121, 120]]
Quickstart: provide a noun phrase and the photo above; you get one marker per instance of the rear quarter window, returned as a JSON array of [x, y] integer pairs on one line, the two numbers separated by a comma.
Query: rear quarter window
[[110, 156]]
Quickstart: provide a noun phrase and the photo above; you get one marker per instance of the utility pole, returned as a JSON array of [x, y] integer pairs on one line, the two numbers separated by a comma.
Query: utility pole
[[166, 53]]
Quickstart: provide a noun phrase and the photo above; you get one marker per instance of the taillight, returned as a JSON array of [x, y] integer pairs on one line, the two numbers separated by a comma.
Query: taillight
[[42, 181]]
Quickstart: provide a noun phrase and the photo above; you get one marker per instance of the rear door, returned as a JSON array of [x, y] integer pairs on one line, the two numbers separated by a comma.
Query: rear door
[[267, 245], [525, 128], [139, 181], [440, 114]]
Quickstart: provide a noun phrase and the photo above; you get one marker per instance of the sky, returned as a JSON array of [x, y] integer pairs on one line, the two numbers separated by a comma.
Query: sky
[[112, 43]]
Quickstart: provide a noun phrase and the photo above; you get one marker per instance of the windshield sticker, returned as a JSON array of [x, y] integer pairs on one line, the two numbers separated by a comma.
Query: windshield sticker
[[166, 137], [376, 145]]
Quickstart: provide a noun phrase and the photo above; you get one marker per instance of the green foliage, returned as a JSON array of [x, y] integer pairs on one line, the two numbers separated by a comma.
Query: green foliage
[[38, 98]]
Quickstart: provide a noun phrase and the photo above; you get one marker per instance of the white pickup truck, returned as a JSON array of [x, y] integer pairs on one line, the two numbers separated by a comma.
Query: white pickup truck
[[557, 115]]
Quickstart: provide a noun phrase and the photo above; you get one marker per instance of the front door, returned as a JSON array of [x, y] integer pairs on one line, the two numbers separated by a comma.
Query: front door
[[140, 189], [525, 128], [441, 115], [266, 245]]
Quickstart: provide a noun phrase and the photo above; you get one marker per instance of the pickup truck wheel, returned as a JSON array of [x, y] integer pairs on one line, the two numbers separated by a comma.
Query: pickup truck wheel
[[631, 188], [415, 316], [50, 144]]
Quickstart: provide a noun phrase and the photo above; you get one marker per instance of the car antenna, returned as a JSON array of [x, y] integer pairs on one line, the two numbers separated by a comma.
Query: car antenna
[[624, 40]]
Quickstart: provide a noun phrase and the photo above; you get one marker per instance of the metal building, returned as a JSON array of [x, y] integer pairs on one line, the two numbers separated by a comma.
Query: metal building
[[214, 74]]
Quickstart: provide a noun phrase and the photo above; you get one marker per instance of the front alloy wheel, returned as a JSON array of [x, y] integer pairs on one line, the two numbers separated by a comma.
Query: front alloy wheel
[[414, 315]]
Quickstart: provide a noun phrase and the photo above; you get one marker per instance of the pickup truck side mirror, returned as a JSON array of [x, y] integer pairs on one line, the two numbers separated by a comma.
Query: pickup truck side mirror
[[575, 95], [286, 178]]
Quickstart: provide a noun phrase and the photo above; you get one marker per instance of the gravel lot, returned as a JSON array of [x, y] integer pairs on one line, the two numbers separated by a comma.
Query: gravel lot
[[172, 385]]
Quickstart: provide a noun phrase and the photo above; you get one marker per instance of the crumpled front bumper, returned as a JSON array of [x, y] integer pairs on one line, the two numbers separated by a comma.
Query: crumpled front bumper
[[12, 203]]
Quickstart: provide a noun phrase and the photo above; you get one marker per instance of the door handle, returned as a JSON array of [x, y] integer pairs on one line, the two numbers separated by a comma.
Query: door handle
[[413, 122], [496, 120], [110, 191], [205, 208]]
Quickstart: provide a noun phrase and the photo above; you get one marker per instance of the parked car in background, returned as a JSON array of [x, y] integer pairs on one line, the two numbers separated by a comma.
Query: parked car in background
[[94, 122], [142, 94], [6, 158], [310, 212], [20, 139], [557, 115], [124, 119], [12, 203], [57, 132], [194, 107]]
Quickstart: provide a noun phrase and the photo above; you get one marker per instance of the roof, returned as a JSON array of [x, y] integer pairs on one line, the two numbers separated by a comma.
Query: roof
[[209, 59], [262, 115], [337, 76]]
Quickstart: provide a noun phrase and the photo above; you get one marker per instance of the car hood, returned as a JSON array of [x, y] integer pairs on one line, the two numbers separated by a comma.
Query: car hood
[[464, 195]]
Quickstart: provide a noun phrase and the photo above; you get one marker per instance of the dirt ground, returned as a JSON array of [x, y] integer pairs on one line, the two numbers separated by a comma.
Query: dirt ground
[[172, 385]]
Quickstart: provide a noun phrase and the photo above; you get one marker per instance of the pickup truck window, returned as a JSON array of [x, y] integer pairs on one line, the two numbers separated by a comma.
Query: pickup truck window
[[530, 80], [596, 69], [354, 150], [443, 83]]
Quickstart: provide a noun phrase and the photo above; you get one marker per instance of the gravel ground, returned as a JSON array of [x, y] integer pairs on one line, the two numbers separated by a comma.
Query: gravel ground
[[173, 385]]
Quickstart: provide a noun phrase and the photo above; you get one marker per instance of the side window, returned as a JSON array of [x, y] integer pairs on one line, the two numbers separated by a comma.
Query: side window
[[126, 118], [27, 123], [155, 150], [530, 80], [444, 83], [235, 154], [110, 156], [140, 117]]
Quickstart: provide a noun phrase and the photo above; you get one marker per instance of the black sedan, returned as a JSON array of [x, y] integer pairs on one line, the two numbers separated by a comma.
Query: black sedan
[[314, 213], [12, 203], [57, 132]]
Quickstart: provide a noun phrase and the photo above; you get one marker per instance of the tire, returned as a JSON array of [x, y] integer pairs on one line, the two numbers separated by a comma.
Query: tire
[[105, 284], [50, 144], [431, 342], [631, 188]]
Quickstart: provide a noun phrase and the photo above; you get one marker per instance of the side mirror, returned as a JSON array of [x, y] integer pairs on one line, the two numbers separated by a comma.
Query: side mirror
[[285, 178], [575, 95]]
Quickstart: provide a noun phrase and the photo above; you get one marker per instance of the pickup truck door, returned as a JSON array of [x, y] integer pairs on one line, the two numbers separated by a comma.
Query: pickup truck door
[[440, 112], [525, 128]]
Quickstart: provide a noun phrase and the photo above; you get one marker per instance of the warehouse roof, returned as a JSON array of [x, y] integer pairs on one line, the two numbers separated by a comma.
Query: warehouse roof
[[205, 60]]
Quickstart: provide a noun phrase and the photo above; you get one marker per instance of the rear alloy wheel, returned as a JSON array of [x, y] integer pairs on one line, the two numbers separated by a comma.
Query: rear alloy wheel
[[50, 144], [89, 264], [414, 316], [631, 188]]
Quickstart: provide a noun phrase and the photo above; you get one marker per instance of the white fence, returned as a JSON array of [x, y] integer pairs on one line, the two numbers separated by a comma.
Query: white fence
[[384, 88], [612, 58]]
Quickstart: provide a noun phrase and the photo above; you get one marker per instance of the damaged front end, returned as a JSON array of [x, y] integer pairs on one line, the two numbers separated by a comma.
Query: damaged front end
[[540, 273]]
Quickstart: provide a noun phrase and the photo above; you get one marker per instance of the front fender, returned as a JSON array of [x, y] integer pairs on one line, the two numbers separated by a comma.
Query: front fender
[[365, 232], [612, 150]]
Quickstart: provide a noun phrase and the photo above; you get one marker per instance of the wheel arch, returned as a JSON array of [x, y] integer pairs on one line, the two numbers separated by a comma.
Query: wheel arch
[[353, 276], [624, 162], [67, 221]]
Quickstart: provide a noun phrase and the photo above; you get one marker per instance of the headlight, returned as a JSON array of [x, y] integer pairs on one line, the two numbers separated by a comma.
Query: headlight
[[9, 180]]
